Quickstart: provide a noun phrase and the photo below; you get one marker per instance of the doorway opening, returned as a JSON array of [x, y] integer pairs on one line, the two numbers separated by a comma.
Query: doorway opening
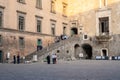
[[104, 52], [76, 52], [1, 56], [87, 51], [74, 31]]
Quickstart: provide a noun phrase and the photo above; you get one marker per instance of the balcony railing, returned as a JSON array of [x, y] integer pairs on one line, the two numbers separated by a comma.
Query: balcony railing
[[103, 37]]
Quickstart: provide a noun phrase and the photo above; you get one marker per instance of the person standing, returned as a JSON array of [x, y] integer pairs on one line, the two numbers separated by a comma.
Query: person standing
[[8, 57], [48, 59], [53, 58], [14, 59], [23, 59], [18, 59]]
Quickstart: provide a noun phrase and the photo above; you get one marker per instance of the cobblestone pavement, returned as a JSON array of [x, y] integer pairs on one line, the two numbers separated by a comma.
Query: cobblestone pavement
[[72, 70]]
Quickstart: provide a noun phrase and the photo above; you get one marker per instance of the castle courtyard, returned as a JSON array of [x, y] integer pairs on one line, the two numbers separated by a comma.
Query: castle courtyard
[[83, 35], [67, 70]]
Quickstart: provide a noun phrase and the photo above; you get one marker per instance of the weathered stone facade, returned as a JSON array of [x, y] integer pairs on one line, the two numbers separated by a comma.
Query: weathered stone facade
[[96, 24], [10, 33], [10, 42], [71, 48]]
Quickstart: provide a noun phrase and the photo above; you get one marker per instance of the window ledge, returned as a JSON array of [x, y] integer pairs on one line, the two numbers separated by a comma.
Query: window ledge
[[39, 8], [21, 2], [53, 12], [64, 16]]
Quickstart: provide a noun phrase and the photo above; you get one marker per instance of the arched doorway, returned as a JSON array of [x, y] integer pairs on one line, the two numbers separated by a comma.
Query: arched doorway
[[74, 31], [76, 52], [87, 51]]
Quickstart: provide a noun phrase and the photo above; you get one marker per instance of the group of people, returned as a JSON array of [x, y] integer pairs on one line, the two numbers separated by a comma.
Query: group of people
[[54, 59], [16, 59], [62, 37]]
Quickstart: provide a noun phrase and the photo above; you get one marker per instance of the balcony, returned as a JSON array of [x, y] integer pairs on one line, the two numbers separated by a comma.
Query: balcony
[[103, 37]]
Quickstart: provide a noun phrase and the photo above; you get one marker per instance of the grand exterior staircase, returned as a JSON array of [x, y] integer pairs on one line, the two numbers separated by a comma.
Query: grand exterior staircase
[[52, 47]]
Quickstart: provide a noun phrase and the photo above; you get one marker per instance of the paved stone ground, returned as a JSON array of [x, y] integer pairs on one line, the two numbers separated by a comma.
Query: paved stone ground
[[72, 70]]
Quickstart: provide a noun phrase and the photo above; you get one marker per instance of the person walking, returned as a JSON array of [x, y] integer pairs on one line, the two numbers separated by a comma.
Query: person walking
[[48, 59], [14, 59]]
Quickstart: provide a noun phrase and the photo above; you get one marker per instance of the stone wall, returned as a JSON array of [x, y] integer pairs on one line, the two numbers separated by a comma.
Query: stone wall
[[10, 42]]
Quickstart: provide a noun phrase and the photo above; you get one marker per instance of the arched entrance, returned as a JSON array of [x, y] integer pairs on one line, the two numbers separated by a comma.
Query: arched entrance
[[87, 51], [76, 52], [74, 31]]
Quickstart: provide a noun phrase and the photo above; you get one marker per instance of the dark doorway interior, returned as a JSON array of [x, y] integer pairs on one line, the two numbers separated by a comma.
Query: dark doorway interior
[[88, 50], [76, 47], [104, 52], [64, 30], [74, 31], [1, 56]]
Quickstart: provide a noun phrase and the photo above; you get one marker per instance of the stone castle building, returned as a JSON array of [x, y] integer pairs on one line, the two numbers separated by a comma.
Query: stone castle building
[[92, 27]]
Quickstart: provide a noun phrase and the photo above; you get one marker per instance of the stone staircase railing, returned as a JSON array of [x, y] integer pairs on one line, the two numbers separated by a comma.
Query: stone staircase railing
[[51, 47]]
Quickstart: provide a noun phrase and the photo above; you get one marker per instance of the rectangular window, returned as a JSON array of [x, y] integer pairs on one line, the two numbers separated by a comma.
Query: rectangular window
[[53, 26], [64, 9], [85, 37], [1, 16], [53, 29], [21, 1], [53, 6], [104, 25], [0, 40], [38, 25], [1, 21], [21, 21], [39, 4], [21, 42]]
